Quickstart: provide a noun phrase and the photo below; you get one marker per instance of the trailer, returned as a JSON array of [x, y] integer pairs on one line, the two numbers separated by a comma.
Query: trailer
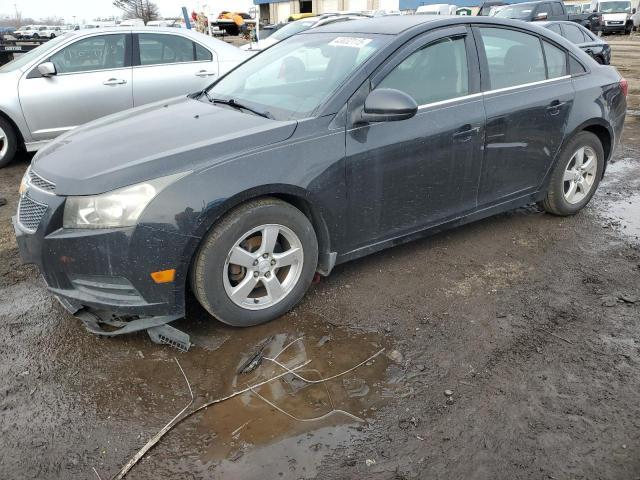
[[9, 46]]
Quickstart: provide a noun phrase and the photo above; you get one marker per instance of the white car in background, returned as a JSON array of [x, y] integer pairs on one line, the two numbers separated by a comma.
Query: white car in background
[[26, 31], [51, 31], [301, 25], [86, 74]]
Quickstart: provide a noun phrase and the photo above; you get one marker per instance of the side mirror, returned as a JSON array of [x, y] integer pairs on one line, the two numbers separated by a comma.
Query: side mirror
[[633, 11], [541, 16], [388, 105], [47, 69]]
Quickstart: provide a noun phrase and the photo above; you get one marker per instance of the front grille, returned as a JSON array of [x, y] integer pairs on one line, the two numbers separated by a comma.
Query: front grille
[[39, 182], [30, 213]]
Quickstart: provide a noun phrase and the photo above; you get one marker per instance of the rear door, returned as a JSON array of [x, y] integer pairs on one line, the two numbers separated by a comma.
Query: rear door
[[93, 79], [167, 65], [405, 176], [528, 97]]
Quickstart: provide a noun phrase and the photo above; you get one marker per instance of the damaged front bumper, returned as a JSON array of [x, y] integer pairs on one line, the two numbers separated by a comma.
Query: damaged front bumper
[[102, 276]]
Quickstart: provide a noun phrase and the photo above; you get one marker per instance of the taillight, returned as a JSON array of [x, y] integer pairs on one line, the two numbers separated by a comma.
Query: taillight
[[624, 86]]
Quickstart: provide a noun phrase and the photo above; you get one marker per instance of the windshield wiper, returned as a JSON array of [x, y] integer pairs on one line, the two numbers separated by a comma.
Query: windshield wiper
[[232, 103]]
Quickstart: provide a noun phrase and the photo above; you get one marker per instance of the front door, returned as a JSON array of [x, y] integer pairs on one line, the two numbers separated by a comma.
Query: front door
[[404, 176], [527, 100], [93, 79]]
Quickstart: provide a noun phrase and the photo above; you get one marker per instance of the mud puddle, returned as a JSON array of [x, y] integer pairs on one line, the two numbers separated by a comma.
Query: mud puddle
[[621, 208], [283, 428]]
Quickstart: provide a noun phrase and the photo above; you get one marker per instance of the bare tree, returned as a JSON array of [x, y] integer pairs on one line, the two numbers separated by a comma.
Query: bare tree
[[52, 21], [143, 9]]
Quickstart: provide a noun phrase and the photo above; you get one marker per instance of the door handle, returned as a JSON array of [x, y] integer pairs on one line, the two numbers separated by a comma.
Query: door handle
[[114, 81], [466, 132], [554, 107], [205, 73]]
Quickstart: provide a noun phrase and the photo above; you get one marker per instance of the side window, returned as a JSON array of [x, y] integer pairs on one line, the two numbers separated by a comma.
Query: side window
[[102, 52], [544, 8], [556, 9], [202, 54], [514, 58], [158, 48], [575, 67], [556, 60], [555, 28], [436, 72], [573, 33]]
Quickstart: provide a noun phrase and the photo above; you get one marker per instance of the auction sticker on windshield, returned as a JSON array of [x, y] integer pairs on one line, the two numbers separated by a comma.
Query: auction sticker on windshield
[[354, 42]]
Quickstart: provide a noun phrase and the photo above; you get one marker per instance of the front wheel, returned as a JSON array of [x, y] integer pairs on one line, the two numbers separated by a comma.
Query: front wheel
[[576, 175], [8, 143], [256, 263]]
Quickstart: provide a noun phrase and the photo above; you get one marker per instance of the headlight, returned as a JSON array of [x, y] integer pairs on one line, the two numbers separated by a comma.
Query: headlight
[[119, 208], [24, 183]]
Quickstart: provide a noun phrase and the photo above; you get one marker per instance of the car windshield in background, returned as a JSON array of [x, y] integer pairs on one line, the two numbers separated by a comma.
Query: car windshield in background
[[573, 8], [615, 7], [515, 11], [291, 29], [294, 77], [24, 59]]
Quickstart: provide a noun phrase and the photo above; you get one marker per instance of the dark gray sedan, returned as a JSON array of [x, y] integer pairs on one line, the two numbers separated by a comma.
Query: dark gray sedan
[[586, 40], [331, 145]]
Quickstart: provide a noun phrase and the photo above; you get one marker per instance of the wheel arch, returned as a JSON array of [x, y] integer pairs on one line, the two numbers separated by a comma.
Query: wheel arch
[[15, 127], [298, 197]]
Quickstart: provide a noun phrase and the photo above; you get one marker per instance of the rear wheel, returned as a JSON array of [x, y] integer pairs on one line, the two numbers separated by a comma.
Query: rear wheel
[[35, 36], [256, 263], [576, 175], [8, 143]]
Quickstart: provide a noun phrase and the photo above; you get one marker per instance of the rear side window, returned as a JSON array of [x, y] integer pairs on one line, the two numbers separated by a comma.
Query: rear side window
[[434, 73], [554, 27], [157, 49], [514, 58], [573, 34], [575, 67], [556, 60]]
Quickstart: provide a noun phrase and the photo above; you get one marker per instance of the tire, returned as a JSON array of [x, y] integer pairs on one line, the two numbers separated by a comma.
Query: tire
[[599, 59], [35, 36], [8, 143], [558, 199], [215, 277]]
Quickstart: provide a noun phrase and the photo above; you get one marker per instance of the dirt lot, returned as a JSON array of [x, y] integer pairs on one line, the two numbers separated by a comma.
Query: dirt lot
[[532, 321]]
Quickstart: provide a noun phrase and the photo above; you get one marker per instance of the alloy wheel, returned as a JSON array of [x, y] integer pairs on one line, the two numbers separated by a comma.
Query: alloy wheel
[[580, 174], [263, 266]]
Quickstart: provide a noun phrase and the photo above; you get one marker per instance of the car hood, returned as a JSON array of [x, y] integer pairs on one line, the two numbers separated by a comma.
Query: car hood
[[152, 141]]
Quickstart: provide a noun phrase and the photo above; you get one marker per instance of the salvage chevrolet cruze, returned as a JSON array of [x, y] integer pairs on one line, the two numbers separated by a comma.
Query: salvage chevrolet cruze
[[329, 146]]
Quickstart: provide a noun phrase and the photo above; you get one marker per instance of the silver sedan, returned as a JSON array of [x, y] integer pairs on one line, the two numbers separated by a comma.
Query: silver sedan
[[87, 74]]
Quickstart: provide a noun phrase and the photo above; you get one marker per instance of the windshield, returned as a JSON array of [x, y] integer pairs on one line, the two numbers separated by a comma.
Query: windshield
[[615, 7], [573, 8], [515, 11], [25, 58], [294, 77], [292, 28]]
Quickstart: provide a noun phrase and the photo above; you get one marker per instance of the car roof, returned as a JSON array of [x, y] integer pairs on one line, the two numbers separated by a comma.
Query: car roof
[[395, 25]]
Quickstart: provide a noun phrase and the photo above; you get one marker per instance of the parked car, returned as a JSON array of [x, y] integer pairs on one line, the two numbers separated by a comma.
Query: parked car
[[436, 9], [332, 144], [485, 8], [616, 15], [25, 32], [588, 42], [51, 31], [549, 10], [298, 26], [87, 74]]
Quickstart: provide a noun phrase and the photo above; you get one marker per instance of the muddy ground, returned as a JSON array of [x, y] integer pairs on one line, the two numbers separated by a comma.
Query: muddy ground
[[532, 321]]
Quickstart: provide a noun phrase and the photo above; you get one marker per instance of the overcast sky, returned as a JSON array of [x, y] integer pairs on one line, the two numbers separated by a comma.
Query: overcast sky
[[86, 9]]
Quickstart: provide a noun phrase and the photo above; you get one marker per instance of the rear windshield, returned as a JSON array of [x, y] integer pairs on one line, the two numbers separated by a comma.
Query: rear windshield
[[515, 11]]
